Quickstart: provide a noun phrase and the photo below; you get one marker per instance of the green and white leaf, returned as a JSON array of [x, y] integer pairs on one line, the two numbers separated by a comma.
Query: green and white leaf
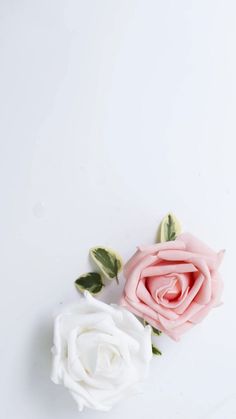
[[90, 281], [170, 228], [154, 330], [156, 351], [108, 261]]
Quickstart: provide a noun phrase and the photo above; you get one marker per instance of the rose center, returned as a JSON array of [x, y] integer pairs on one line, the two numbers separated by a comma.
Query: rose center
[[170, 288], [173, 292], [98, 353]]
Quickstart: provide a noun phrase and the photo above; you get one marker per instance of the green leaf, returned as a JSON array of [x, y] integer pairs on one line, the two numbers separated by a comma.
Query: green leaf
[[108, 261], [154, 330], [90, 281], [156, 351], [170, 228]]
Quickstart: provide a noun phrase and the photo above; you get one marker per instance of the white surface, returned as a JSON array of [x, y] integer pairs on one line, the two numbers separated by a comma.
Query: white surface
[[112, 114]]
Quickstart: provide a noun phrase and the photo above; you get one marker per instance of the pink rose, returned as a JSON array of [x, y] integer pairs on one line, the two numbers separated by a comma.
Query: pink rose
[[173, 285]]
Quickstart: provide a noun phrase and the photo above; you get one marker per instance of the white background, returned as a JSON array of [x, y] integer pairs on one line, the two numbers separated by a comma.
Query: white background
[[112, 114]]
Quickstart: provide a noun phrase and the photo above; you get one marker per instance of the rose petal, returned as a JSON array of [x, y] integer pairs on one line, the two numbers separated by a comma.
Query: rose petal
[[144, 296], [217, 288], [154, 248], [188, 314], [179, 331], [191, 295], [159, 292], [142, 308], [183, 255], [134, 276], [148, 319], [204, 294], [168, 269], [194, 245], [84, 363]]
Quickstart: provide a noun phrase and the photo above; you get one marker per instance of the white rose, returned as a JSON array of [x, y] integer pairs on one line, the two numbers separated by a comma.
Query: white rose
[[101, 353]]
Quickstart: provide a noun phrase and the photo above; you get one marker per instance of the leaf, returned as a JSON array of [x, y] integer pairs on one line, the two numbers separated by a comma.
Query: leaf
[[170, 228], [108, 261], [154, 330], [156, 351], [90, 281]]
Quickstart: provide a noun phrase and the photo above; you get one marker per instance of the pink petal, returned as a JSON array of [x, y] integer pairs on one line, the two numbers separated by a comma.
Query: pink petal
[[142, 308], [204, 294], [194, 245], [160, 287], [188, 314], [167, 269], [144, 296], [186, 256], [148, 319], [191, 295], [176, 333], [134, 276], [132, 262], [217, 288], [154, 248]]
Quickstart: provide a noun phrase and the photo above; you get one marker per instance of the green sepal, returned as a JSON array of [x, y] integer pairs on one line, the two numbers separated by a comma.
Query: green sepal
[[155, 331], [155, 350]]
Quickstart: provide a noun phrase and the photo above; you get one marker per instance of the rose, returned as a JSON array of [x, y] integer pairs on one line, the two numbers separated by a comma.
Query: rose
[[173, 285], [101, 353]]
